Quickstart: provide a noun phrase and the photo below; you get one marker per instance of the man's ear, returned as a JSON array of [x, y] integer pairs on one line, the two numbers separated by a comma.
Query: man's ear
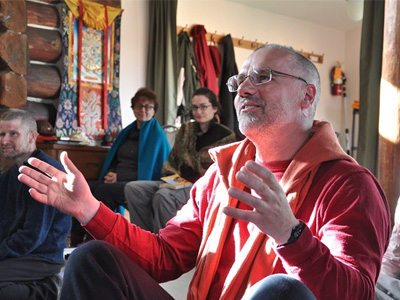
[[309, 96], [33, 136]]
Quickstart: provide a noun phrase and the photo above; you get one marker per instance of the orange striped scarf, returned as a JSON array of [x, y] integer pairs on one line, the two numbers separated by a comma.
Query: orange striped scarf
[[257, 258]]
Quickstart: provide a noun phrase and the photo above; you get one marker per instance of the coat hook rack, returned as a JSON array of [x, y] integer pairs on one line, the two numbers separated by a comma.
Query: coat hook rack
[[212, 37], [246, 44]]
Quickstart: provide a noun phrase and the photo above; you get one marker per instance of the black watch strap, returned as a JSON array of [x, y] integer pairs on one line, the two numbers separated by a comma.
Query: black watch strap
[[296, 232]]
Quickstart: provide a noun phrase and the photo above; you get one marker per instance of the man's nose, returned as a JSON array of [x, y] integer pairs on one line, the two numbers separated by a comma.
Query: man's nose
[[246, 87], [4, 139]]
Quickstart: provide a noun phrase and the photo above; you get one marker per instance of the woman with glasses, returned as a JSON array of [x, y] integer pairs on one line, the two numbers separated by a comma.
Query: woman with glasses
[[150, 206], [138, 153]]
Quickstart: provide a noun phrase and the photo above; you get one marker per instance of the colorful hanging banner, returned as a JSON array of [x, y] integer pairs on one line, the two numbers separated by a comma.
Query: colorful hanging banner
[[81, 104], [96, 16]]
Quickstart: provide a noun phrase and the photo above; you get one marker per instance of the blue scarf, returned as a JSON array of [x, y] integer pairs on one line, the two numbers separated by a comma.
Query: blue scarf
[[153, 150]]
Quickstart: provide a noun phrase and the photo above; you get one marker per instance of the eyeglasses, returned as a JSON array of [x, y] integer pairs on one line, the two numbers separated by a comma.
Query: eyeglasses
[[201, 107], [140, 106], [257, 77]]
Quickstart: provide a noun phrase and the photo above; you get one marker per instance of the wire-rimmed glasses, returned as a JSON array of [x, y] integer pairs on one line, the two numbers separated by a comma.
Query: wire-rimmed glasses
[[201, 107], [140, 106], [257, 77]]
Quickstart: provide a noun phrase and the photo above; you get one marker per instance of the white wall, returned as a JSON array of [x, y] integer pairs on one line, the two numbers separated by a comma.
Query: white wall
[[134, 26], [240, 21], [352, 71]]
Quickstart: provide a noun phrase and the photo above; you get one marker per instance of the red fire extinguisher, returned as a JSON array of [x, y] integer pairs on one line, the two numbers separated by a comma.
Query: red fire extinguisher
[[337, 80]]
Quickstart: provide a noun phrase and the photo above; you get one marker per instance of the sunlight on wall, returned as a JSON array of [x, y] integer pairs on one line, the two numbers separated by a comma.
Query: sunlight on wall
[[389, 117]]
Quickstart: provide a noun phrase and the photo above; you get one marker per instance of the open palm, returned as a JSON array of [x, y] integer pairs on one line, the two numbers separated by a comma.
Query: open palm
[[68, 192]]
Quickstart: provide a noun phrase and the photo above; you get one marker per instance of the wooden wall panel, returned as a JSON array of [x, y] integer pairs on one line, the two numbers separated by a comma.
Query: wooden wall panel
[[13, 90], [43, 81], [114, 3], [13, 15], [389, 109], [44, 45], [52, 1], [42, 14], [13, 51], [45, 55]]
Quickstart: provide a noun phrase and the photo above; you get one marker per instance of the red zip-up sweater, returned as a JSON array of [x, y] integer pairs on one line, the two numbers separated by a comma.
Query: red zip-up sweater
[[338, 255]]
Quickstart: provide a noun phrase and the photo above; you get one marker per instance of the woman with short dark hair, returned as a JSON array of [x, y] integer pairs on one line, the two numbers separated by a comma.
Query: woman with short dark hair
[[138, 153]]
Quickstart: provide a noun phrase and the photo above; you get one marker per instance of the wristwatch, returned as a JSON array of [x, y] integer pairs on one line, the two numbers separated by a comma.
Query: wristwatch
[[296, 232]]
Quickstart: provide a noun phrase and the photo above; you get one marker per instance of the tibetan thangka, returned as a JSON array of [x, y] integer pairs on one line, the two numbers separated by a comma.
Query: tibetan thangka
[[89, 98]]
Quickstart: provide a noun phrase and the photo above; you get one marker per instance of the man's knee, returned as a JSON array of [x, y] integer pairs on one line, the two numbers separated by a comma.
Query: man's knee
[[88, 251], [279, 287]]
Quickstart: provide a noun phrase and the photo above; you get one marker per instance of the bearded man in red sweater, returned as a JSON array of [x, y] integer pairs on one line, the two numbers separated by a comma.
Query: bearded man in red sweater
[[283, 214]]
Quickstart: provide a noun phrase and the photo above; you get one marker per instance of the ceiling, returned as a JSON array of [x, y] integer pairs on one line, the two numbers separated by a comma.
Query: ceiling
[[329, 13]]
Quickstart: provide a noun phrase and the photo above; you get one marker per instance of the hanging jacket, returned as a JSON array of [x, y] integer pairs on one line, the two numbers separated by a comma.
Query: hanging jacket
[[226, 98], [204, 61], [188, 78]]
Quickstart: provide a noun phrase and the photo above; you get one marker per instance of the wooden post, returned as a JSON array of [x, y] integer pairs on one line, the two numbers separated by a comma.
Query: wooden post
[[13, 53], [389, 111]]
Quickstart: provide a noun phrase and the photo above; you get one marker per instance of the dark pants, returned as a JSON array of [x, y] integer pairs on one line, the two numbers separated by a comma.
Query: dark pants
[[97, 270], [29, 277], [45, 289]]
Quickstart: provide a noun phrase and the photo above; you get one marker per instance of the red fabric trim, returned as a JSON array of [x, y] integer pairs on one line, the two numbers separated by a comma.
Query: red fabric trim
[[80, 29], [105, 71]]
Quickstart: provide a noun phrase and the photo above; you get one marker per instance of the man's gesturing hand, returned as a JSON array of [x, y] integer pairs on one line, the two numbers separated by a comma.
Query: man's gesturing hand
[[271, 211]]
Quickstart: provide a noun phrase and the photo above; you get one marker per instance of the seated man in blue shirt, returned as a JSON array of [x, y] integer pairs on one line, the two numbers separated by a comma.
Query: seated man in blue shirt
[[32, 235]]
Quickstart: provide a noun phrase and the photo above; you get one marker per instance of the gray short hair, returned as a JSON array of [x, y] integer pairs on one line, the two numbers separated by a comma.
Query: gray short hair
[[24, 116]]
